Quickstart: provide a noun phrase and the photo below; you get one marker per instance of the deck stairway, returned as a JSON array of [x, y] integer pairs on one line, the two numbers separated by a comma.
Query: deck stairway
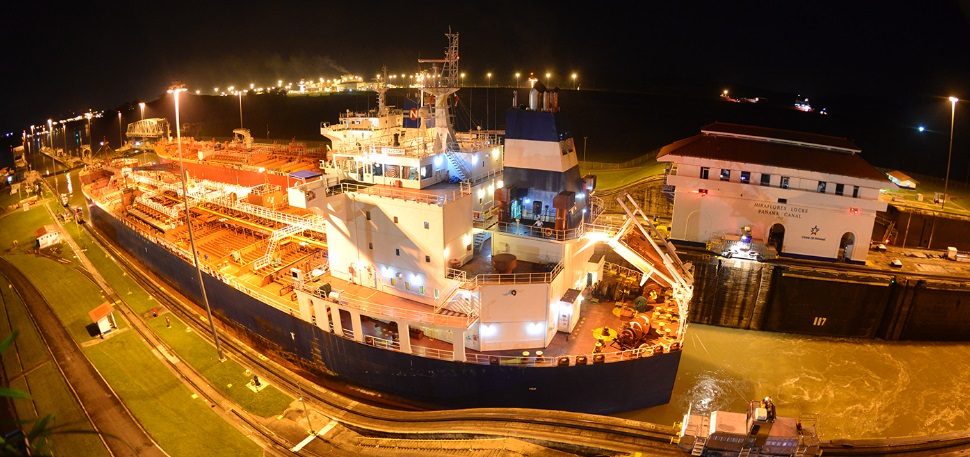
[[699, 444], [459, 166], [480, 239]]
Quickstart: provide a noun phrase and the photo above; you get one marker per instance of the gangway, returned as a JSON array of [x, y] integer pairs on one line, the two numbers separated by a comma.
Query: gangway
[[655, 257]]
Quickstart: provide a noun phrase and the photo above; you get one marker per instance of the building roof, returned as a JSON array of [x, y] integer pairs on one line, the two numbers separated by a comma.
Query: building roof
[[775, 148], [811, 140], [100, 312], [900, 176], [50, 228]]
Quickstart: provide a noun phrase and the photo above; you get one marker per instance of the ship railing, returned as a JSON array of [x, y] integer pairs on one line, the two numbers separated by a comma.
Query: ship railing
[[518, 228], [391, 312], [552, 361], [400, 193], [515, 278]]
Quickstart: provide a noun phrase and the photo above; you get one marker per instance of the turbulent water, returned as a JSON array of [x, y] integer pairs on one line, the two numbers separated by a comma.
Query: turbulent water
[[859, 388]]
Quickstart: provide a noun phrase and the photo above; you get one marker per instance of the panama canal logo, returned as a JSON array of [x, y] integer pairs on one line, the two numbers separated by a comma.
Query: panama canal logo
[[814, 234]]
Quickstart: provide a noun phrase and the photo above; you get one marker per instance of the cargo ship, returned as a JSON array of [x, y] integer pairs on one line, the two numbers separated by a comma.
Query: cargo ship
[[414, 262]]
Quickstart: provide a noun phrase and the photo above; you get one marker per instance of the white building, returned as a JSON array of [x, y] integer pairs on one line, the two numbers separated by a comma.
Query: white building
[[806, 195], [47, 235]]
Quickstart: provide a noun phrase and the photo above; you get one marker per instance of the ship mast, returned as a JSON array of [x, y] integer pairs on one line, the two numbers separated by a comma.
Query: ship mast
[[382, 93], [441, 83]]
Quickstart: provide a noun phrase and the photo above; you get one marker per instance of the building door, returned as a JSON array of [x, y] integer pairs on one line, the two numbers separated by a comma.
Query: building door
[[776, 237], [845, 246]]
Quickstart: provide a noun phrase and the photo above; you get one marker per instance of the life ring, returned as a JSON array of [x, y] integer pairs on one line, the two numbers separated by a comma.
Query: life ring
[[413, 114], [547, 231]]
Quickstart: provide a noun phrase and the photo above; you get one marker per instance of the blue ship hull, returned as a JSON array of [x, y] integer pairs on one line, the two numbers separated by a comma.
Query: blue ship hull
[[603, 388]]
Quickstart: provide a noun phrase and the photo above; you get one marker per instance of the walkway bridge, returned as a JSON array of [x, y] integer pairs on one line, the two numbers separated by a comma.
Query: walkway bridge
[[148, 129]]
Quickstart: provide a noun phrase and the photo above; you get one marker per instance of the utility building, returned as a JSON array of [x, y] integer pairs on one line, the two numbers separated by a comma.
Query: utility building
[[757, 191]]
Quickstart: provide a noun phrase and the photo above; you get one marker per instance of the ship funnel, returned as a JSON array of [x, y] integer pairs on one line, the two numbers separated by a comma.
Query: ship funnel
[[534, 95]]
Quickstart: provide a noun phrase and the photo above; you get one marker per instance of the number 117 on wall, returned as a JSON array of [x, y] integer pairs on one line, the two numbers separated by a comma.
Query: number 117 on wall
[[819, 321]]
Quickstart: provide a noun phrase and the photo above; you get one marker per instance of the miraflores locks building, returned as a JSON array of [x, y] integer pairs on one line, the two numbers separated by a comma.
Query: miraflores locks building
[[805, 195]]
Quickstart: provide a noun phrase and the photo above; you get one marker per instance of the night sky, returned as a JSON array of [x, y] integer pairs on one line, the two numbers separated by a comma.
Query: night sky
[[101, 55]]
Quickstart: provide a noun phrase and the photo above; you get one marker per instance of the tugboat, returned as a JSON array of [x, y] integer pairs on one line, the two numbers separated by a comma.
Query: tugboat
[[760, 432]]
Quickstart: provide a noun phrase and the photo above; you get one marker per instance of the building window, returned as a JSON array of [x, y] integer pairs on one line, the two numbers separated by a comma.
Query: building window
[[395, 219], [765, 179], [427, 258], [839, 189], [421, 288], [437, 293], [393, 282], [427, 225], [367, 213], [821, 187], [407, 286], [855, 192], [397, 251], [782, 200], [784, 182], [725, 174], [705, 172], [370, 245], [746, 177]]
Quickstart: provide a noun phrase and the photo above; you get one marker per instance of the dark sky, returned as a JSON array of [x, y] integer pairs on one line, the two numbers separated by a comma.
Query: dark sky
[[100, 55]]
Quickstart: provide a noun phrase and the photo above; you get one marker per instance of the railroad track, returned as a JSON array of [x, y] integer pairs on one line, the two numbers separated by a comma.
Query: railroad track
[[582, 433]]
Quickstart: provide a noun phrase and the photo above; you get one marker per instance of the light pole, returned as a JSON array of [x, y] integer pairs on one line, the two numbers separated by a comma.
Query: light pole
[[50, 131], [488, 104], [175, 89], [240, 110], [549, 79], [517, 74], [87, 115], [121, 140], [574, 82], [141, 106], [946, 180]]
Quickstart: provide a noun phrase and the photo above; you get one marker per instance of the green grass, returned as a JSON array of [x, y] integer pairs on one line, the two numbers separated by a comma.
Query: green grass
[[52, 279], [21, 225], [229, 377], [133, 295], [181, 425], [30, 349], [57, 400]]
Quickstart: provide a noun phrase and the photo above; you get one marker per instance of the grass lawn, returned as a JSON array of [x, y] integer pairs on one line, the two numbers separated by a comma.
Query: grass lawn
[[229, 377], [182, 425], [134, 296], [49, 390], [21, 226], [53, 396], [54, 279]]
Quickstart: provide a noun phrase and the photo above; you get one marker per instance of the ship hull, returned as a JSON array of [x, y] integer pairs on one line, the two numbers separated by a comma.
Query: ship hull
[[601, 388]]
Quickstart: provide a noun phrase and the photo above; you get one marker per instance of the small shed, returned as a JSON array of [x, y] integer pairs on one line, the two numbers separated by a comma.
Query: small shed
[[47, 236], [104, 317], [902, 179]]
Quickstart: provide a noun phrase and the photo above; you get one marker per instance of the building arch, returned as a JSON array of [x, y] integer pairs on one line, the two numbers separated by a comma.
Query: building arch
[[776, 237], [846, 246], [698, 227]]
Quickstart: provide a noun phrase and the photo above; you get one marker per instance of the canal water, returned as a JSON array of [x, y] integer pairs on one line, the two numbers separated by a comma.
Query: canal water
[[859, 388]]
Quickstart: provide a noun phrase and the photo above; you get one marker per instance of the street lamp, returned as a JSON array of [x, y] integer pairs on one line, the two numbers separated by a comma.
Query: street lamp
[[549, 79], [946, 180], [121, 140], [575, 86], [462, 79], [517, 74], [175, 89], [50, 131], [141, 105]]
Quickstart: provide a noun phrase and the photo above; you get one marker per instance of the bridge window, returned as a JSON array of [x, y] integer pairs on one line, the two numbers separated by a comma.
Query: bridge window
[[705, 172], [765, 179], [746, 177], [784, 182], [725, 174], [839, 189], [821, 187], [855, 192]]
